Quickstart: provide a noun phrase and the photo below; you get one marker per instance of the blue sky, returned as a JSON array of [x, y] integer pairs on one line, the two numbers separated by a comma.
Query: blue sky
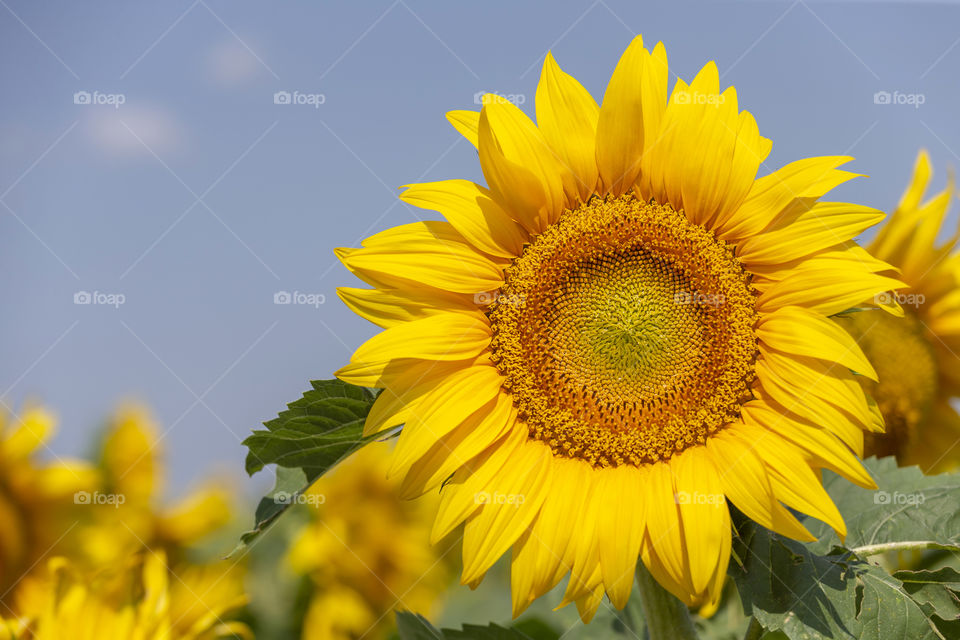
[[182, 187]]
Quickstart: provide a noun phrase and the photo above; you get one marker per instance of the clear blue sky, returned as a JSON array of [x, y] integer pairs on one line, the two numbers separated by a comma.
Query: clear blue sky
[[199, 198]]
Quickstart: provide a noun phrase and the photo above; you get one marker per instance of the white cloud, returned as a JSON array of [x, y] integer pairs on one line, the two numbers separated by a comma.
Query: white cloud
[[135, 130], [230, 64]]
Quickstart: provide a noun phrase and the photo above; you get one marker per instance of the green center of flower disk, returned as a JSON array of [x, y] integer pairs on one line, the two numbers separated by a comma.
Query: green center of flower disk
[[907, 367], [625, 333]]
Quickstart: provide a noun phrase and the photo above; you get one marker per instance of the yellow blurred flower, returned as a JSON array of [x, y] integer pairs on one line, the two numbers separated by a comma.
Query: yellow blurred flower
[[67, 603], [37, 498], [366, 550], [127, 515], [126, 521], [916, 356]]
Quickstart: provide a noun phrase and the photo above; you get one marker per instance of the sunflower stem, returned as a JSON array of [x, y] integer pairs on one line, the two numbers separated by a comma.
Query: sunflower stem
[[667, 618]]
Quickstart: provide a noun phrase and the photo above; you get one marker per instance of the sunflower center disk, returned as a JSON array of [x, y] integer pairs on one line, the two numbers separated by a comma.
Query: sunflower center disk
[[907, 367], [625, 333]]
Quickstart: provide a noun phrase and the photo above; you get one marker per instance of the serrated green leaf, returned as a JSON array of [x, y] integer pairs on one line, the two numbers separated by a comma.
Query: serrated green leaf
[[315, 431], [907, 507], [305, 441], [788, 588], [938, 591]]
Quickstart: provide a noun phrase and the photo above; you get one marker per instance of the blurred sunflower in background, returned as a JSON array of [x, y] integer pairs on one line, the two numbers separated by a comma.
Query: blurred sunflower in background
[[110, 540], [67, 602], [366, 552], [916, 357], [132, 473], [37, 507], [132, 522], [618, 334]]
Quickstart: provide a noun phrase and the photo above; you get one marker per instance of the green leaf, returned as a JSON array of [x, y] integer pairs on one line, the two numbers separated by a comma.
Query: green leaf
[[411, 626], [907, 507], [315, 432], [305, 441], [938, 592], [788, 588]]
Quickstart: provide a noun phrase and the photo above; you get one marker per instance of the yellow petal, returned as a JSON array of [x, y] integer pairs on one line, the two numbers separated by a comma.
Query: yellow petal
[[807, 179], [827, 291], [807, 231], [504, 128], [428, 253], [467, 123], [445, 336], [545, 553], [509, 506], [700, 496], [456, 449], [567, 118], [793, 481], [621, 124], [389, 307], [472, 211], [807, 333], [818, 444], [442, 409], [743, 476], [460, 496], [621, 527]]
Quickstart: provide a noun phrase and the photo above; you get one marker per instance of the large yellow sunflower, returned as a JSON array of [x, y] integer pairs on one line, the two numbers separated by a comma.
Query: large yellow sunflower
[[622, 331], [916, 357]]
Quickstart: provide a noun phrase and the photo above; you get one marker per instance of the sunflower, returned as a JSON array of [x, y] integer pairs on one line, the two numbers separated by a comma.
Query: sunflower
[[131, 472], [366, 551], [37, 499], [622, 331], [70, 603], [129, 524], [916, 356]]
